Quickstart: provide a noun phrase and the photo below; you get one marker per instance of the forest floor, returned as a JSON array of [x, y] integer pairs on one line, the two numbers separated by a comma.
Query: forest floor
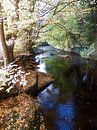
[[19, 110]]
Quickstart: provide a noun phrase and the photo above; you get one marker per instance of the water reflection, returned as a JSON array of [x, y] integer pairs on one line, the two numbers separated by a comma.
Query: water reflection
[[56, 100], [65, 104], [48, 98], [46, 51], [42, 67], [64, 116], [60, 114]]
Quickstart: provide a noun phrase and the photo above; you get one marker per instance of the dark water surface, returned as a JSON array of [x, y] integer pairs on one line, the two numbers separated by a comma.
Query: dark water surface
[[66, 105]]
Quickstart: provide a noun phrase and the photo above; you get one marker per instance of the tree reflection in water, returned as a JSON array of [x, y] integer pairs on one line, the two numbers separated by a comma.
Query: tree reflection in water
[[56, 100], [60, 114], [65, 104]]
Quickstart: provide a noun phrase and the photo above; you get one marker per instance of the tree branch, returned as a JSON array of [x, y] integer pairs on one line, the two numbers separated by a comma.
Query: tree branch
[[12, 2]]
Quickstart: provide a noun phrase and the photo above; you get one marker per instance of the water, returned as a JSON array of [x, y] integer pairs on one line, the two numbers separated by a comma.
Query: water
[[66, 105]]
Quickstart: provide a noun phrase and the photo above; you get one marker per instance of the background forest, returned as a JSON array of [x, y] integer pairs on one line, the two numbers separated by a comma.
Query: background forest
[[63, 24]]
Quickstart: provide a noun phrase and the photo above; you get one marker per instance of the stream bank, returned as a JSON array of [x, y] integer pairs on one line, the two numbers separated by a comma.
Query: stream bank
[[19, 85]]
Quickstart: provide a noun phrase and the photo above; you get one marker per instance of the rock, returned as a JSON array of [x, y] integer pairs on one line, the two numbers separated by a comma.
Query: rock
[[44, 44], [15, 113], [15, 80], [65, 57], [44, 80], [12, 78], [37, 81]]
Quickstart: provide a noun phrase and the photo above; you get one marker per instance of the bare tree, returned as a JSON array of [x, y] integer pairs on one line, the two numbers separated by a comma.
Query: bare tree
[[3, 44]]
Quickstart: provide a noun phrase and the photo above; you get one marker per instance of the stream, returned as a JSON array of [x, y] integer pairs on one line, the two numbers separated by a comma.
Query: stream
[[66, 105]]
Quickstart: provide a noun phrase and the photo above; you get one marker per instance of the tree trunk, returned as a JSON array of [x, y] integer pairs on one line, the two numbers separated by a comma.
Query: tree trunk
[[6, 57], [10, 46], [17, 9]]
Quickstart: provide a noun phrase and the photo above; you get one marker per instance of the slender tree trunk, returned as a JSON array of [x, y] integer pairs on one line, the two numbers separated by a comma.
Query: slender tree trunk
[[3, 44], [17, 9], [10, 49]]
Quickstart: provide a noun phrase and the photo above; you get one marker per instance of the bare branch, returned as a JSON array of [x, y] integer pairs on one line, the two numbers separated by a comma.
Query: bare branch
[[12, 2], [56, 8]]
